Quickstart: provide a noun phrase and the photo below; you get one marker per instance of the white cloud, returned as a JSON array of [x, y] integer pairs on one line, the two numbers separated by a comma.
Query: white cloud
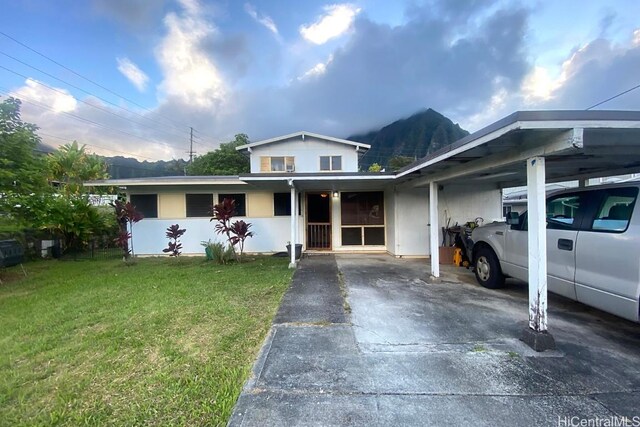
[[57, 99], [336, 20], [538, 85], [133, 73], [317, 70], [636, 37], [264, 20], [190, 75]]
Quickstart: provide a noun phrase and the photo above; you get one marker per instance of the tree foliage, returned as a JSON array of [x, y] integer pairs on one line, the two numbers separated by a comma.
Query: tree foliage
[[375, 168], [70, 166], [398, 162], [226, 160], [20, 167]]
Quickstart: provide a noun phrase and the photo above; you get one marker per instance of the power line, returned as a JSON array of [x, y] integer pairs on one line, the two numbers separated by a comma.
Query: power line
[[85, 78], [614, 97], [174, 124], [94, 145], [41, 105], [82, 90]]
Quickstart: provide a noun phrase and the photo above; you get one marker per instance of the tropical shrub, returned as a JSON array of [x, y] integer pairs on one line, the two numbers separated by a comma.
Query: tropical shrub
[[236, 232], [126, 215], [174, 232], [218, 252]]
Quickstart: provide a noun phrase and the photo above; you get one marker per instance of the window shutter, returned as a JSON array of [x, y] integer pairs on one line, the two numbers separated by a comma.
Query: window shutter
[[265, 164]]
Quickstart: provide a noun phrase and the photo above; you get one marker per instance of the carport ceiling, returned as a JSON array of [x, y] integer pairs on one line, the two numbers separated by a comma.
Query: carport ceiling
[[576, 144]]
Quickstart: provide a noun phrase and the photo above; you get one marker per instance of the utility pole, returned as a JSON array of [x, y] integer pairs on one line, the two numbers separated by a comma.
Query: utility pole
[[190, 152], [191, 147]]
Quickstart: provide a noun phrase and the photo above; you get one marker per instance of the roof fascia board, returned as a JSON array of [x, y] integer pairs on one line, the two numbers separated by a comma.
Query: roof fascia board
[[320, 178]]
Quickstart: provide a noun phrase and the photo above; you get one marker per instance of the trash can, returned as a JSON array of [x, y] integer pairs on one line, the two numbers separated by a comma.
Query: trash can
[[11, 253], [298, 250]]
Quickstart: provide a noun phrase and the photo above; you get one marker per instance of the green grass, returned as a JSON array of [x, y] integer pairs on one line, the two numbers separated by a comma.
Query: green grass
[[160, 342]]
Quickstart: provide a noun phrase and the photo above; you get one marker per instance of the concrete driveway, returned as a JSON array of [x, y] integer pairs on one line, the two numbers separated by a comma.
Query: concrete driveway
[[401, 351]]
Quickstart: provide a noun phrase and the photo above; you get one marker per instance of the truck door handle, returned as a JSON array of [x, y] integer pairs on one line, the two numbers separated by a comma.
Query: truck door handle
[[565, 244]]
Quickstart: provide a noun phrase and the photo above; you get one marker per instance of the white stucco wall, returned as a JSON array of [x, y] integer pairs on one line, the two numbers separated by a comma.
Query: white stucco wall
[[412, 219], [464, 203], [271, 235], [461, 203], [307, 153]]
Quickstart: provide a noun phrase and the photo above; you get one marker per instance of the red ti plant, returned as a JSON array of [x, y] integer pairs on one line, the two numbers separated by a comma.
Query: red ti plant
[[174, 233], [237, 232], [126, 215], [240, 231]]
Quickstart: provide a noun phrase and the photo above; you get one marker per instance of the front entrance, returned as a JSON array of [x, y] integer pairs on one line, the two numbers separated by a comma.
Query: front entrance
[[319, 221]]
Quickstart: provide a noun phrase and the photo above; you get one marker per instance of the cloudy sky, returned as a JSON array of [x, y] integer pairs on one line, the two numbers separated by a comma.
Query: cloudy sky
[[130, 77]]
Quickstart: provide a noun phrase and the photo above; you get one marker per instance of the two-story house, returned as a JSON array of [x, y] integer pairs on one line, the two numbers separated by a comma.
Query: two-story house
[[335, 206]]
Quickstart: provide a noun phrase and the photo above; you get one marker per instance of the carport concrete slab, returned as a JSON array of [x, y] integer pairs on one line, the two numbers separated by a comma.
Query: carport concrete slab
[[495, 411], [413, 352]]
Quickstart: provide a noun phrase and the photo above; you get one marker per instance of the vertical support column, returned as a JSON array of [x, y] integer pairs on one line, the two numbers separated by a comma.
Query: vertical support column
[[434, 231], [536, 334], [292, 241]]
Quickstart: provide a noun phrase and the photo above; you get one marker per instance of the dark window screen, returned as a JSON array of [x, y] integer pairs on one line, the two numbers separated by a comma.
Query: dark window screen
[[147, 204], [362, 208], [374, 236], [199, 205], [352, 236], [281, 204], [241, 206]]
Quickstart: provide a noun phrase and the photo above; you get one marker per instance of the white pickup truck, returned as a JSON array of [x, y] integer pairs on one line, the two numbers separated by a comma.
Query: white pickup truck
[[593, 248]]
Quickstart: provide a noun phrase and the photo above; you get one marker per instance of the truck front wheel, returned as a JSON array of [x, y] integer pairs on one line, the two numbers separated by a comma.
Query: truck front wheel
[[487, 269]]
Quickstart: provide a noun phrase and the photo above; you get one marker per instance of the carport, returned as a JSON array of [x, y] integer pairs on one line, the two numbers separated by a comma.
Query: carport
[[531, 148]]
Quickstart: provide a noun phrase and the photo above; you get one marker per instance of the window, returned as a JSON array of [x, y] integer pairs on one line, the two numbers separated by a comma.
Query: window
[[281, 204], [199, 205], [241, 206], [362, 218], [563, 210], [615, 211], [277, 164], [330, 163], [147, 204]]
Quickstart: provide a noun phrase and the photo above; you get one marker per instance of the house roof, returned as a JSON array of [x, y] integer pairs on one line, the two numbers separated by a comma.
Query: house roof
[[578, 145], [167, 180], [302, 134]]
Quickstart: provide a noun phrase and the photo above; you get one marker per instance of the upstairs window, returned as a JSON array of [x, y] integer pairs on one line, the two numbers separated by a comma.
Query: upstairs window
[[330, 163], [277, 164]]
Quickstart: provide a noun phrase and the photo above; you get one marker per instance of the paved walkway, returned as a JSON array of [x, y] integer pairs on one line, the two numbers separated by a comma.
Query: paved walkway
[[417, 353]]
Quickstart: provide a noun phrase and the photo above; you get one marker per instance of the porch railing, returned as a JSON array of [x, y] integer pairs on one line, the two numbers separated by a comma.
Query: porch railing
[[318, 235]]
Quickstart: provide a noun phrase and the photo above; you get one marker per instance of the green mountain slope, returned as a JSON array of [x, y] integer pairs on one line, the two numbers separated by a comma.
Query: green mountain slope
[[413, 137]]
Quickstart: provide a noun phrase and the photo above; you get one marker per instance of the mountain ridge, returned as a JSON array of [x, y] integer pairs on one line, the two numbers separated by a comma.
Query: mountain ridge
[[412, 137]]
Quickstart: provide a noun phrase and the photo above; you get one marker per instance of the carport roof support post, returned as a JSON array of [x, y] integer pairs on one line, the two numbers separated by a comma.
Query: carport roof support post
[[536, 335], [433, 230], [292, 243]]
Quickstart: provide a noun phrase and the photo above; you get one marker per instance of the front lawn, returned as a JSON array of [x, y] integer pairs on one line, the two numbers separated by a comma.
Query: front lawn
[[161, 342]]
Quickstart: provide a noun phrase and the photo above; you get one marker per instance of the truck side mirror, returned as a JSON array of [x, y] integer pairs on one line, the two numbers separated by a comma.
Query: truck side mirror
[[513, 218]]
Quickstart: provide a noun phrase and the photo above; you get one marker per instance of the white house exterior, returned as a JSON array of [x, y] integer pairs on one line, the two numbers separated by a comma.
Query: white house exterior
[[339, 209]]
